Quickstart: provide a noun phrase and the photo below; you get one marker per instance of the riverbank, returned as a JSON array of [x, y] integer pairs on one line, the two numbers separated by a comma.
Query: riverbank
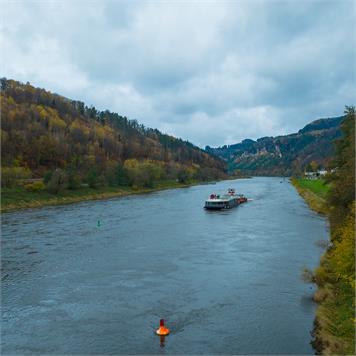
[[314, 193], [334, 325], [19, 198]]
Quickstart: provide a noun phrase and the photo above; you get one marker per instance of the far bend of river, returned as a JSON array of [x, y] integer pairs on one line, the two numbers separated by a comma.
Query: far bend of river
[[227, 282]]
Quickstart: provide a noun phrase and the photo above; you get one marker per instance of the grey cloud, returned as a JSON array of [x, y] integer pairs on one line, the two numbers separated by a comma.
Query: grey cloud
[[212, 72]]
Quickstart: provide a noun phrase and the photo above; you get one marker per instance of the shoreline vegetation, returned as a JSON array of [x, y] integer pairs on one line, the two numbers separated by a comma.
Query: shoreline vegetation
[[334, 197], [19, 198], [333, 331], [56, 151]]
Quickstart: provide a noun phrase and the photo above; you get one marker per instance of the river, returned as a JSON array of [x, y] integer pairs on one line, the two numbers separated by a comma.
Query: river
[[227, 282]]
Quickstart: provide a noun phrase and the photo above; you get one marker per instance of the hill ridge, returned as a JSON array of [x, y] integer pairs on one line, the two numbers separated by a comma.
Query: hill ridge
[[284, 154]]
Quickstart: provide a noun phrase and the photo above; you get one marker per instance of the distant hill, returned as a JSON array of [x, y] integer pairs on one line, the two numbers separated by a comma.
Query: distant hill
[[283, 155], [42, 132]]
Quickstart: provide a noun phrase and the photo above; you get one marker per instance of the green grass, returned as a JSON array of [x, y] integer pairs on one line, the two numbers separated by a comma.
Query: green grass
[[314, 193], [19, 198], [317, 186]]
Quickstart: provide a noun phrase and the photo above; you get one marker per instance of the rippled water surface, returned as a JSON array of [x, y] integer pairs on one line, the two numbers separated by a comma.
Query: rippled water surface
[[226, 282]]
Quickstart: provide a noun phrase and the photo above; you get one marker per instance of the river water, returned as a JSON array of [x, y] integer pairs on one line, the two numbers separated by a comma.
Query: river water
[[227, 282]]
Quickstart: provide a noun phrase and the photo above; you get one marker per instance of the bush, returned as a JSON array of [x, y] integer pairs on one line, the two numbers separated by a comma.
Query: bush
[[47, 177], [95, 180], [183, 176], [122, 175], [320, 295], [141, 174], [74, 181], [58, 181], [322, 276], [150, 173], [307, 276], [35, 186], [10, 176]]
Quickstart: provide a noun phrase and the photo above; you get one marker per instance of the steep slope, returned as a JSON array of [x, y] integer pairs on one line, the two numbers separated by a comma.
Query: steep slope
[[42, 132], [283, 155]]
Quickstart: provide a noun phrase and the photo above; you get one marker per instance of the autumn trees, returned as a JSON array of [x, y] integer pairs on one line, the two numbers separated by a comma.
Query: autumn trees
[[44, 132], [342, 194], [335, 324]]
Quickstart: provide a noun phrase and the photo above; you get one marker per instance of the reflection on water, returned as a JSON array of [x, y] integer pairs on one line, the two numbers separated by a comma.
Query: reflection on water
[[162, 340], [227, 282]]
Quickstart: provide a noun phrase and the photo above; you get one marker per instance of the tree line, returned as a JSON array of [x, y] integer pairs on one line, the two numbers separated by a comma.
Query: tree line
[[334, 331], [45, 135]]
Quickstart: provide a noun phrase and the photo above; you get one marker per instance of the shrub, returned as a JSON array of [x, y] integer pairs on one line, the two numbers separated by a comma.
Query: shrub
[[322, 276], [183, 175], [74, 181], [58, 181], [95, 180], [122, 175], [141, 174], [320, 295], [307, 276], [35, 186], [10, 176], [92, 178], [47, 177]]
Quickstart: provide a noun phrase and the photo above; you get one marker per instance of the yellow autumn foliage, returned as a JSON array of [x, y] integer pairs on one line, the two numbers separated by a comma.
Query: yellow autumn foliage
[[343, 253]]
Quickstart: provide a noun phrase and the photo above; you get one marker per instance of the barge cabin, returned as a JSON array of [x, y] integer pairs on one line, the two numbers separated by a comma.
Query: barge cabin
[[225, 201]]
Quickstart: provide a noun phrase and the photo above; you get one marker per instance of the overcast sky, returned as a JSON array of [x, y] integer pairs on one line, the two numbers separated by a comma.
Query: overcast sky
[[210, 72]]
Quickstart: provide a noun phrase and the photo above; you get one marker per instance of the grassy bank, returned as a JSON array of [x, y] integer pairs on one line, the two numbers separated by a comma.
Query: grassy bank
[[20, 198], [334, 327], [314, 193]]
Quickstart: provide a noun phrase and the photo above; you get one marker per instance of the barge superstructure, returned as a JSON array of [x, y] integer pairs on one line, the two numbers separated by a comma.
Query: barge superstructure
[[225, 201]]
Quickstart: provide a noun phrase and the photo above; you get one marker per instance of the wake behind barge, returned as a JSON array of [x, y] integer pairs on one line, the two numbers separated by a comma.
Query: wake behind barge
[[225, 201]]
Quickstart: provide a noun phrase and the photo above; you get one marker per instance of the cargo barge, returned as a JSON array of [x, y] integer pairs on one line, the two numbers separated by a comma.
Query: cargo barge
[[225, 201]]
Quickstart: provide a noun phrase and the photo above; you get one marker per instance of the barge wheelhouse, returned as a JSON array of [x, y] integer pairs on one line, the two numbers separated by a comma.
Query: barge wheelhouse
[[225, 201]]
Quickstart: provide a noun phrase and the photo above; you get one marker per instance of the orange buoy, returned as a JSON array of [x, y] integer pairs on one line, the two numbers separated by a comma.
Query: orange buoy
[[162, 330]]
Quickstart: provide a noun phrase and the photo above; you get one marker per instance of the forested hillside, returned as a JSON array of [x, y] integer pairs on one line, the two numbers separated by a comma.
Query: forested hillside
[[283, 155], [47, 135]]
